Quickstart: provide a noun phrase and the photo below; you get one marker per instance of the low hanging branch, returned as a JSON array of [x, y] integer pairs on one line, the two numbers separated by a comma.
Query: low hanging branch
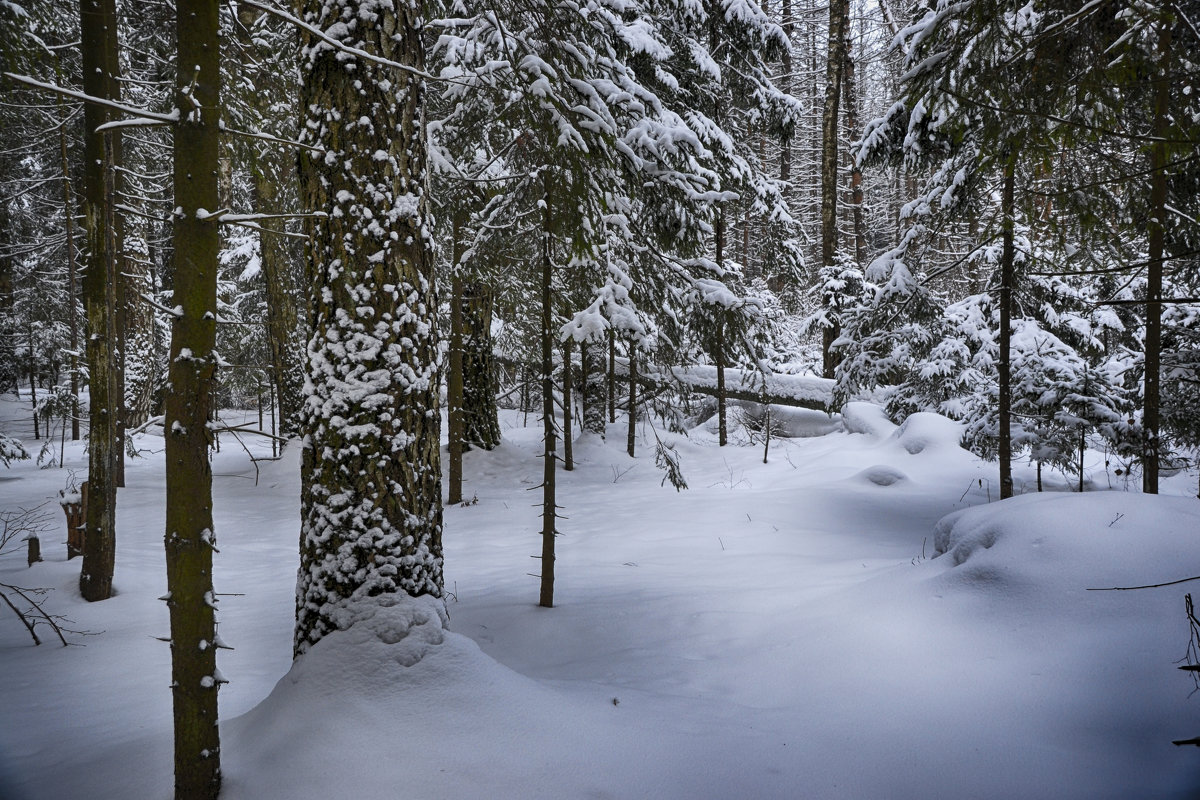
[[1147, 586]]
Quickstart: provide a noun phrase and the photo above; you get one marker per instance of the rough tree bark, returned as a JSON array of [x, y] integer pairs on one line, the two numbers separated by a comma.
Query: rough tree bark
[[98, 20], [189, 538], [371, 508]]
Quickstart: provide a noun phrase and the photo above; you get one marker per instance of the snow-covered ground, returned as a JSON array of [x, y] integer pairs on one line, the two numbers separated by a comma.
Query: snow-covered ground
[[774, 631]]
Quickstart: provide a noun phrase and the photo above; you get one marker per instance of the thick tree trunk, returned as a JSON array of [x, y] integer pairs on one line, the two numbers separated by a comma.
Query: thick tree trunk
[[1007, 259], [835, 65], [98, 20], [371, 507], [190, 540]]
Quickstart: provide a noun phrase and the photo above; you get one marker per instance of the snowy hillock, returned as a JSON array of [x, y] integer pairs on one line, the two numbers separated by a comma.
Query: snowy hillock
[[1068, 543]]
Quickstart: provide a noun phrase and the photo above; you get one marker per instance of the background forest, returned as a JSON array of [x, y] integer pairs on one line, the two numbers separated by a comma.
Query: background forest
[[354, 216]]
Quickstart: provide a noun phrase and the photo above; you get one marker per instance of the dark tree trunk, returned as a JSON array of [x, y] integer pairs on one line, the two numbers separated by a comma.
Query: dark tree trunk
[[549, 502], [33, 380], [592, 360], [283, 312], [454, 394], [271, 167], [612, 376], [856, 189], [1007, 259], [72, 277], [98, 20], [719, 357], [454, 378], [481, 421], [371, 507], [1151, 414], [189, 538], [835, 65], [568, 398], [631, 437]]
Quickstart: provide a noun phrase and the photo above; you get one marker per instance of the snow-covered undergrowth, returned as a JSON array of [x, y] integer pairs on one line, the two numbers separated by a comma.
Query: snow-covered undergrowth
[[778, 630]]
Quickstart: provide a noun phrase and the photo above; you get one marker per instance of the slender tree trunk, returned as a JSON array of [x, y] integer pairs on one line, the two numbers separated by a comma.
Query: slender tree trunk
[[718, 354], [454, 391], [118, 300], [834, 67], [856, 189], [719, 357], [481, 422], [454, 378], [1007, 259], [283, 312], [612, 376], [33, 380], [72, 277], [98, 19], [631, 437], [190, 539], [549, 502], [568, 395], [1151, 391], [592, 358], [785, 85]]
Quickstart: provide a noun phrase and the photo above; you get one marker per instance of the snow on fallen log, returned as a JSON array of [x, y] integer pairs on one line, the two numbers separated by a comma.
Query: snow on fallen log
[[803, 391]]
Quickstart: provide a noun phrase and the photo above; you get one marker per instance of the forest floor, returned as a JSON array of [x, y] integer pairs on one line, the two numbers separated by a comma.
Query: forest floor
[[778, 630]]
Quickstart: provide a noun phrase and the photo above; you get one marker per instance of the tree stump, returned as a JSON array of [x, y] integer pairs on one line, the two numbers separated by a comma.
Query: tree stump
[[35, 549], [75, 507]]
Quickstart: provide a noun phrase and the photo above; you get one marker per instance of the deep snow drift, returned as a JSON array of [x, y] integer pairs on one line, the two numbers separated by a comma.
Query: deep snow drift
[[775, 631]]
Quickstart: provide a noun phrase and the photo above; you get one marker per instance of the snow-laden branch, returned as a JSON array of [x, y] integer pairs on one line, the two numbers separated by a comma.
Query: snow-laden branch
[[345, 48], [266, 137], [165, 119]]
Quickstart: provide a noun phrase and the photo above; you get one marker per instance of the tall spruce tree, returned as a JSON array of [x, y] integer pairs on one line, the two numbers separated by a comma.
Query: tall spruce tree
[[371, 509]]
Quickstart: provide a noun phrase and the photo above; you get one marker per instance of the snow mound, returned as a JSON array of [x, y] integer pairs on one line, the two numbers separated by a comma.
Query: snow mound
[[928, 431], [793, 423], [868, 418], [881, 475], [406, 627], [1071, 542]]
